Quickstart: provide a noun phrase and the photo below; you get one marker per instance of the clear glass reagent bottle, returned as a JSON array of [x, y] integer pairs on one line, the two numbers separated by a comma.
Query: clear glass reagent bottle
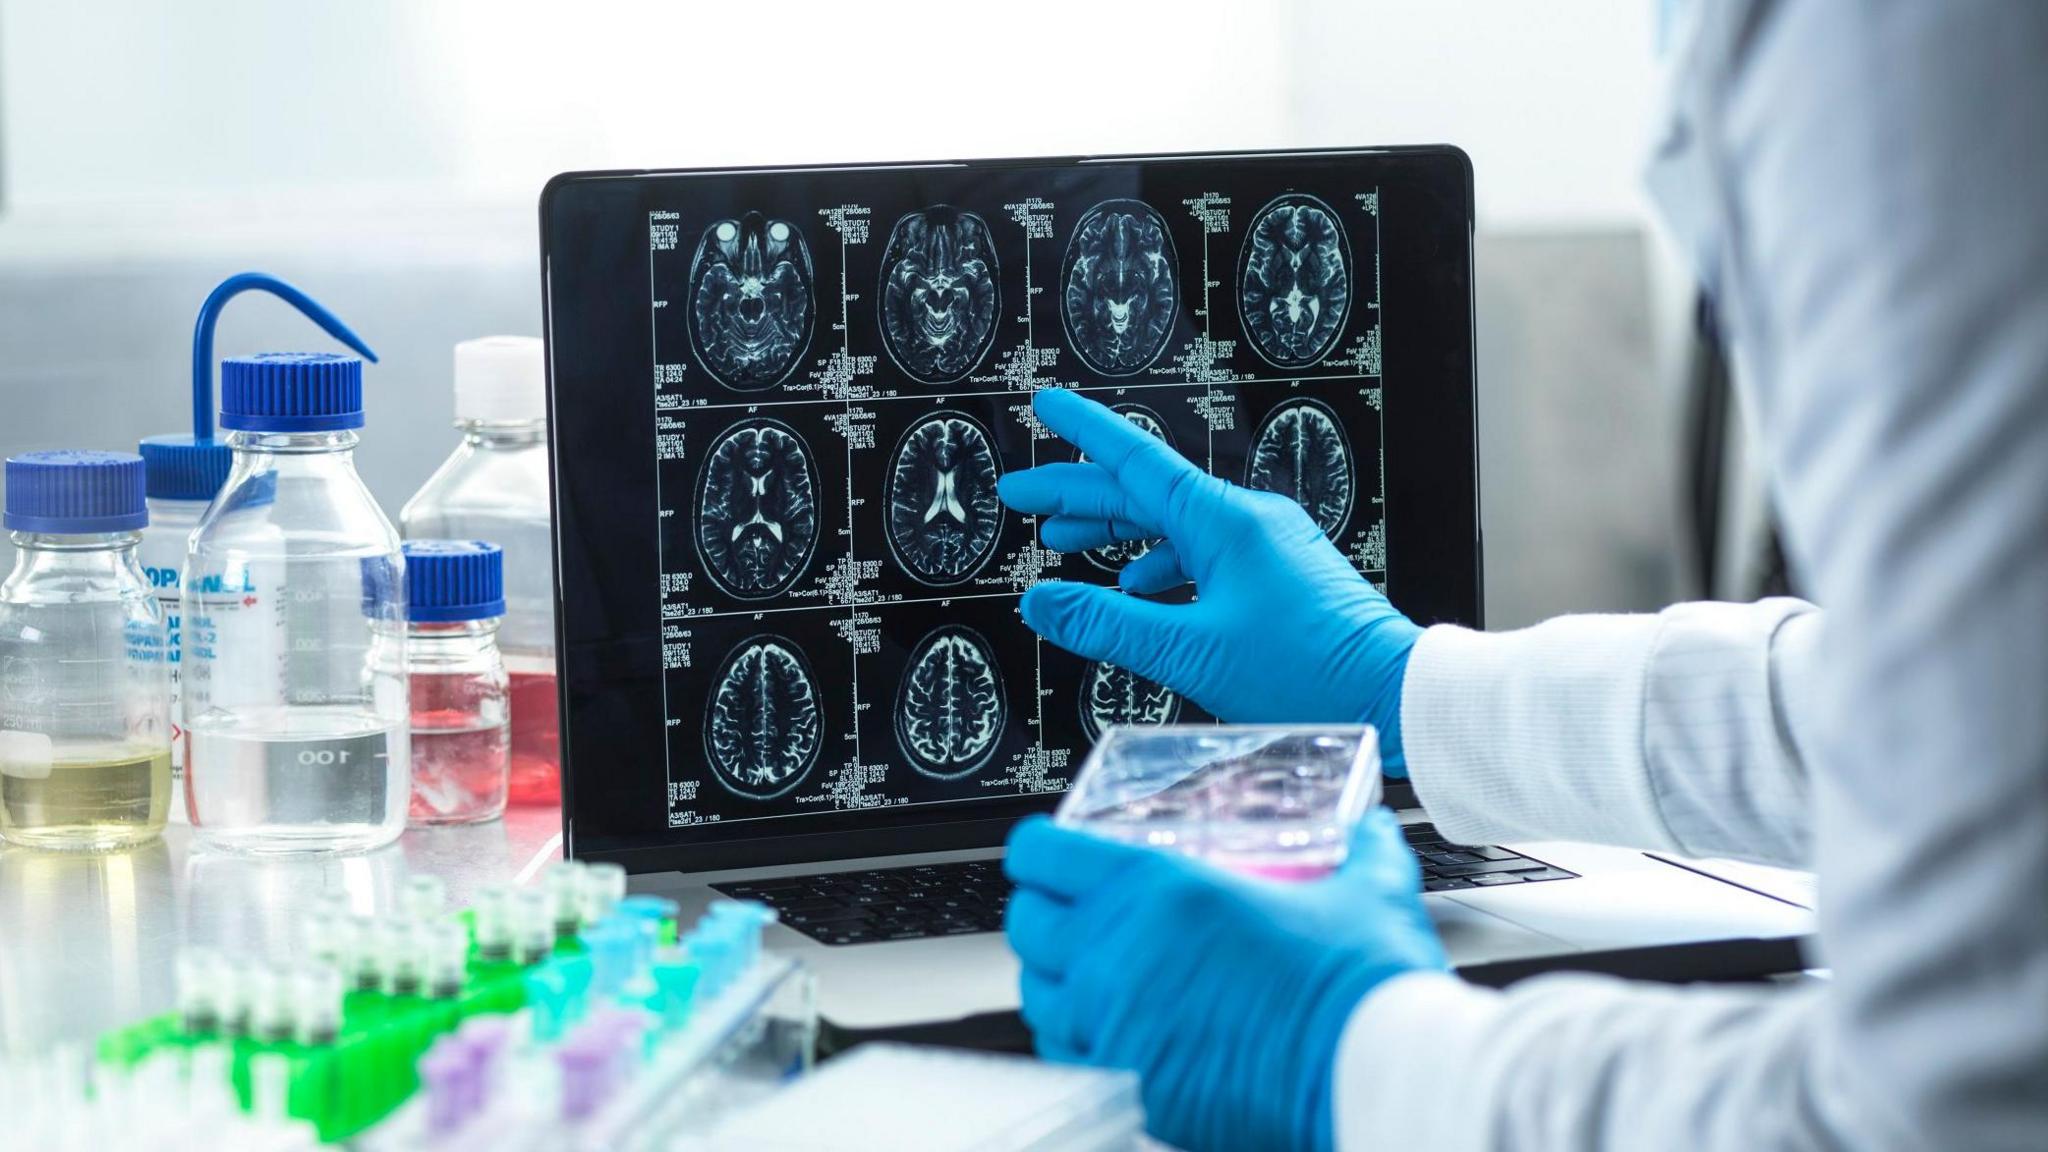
[[494, 487], [85, 736], [461, 731], [186, 471], [295, 738]]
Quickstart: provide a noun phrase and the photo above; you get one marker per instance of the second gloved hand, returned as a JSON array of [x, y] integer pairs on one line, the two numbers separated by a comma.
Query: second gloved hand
[[1284, 629], [1228, 996]]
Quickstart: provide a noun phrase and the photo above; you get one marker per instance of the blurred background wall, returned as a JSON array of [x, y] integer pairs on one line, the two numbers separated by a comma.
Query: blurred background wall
[[386, 155]]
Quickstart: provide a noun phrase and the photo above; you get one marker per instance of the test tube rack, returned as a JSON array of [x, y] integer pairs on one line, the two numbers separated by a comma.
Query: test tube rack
[[602, 993], [619, 1086]]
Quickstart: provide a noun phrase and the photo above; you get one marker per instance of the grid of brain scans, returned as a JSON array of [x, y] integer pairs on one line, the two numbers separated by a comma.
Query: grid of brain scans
[[843, 371]]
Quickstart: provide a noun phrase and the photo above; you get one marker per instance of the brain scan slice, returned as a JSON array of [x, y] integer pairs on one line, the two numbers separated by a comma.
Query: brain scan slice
[[1115, 556], [1295, 287], [1118, 288], [764, 722], [750, 301], [757, 509], [1113, 695], [950, 708], [943, 514], [1301, 452], [939, 293]]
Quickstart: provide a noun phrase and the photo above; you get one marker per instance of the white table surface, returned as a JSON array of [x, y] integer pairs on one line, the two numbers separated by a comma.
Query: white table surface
[[87, 943]]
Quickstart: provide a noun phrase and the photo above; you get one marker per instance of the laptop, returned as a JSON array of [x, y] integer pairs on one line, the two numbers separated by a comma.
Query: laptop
[[791, 663]]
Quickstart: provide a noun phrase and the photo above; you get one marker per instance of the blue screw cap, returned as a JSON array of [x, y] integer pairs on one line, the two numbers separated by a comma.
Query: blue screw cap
[[75, 493], [184, 467], [291, 392], [447, 581]]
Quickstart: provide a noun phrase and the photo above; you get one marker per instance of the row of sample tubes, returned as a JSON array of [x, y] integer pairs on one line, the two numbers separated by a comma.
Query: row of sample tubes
[[608, 1024], [416, 951], [360, 998], [171, 1101], [524, 925], [538, 1019]]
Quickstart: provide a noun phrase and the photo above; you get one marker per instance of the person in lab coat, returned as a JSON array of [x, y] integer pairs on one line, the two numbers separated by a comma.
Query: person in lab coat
[[1864, 190]]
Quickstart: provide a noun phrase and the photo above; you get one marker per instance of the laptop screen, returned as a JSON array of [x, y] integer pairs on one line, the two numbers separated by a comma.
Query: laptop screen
[[781, 400]]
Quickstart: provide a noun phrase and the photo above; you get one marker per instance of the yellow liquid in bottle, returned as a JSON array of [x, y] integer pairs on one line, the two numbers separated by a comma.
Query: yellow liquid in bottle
[[88, 805]]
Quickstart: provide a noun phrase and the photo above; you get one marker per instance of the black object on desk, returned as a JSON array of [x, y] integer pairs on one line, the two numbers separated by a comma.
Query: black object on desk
[[1735, 961]]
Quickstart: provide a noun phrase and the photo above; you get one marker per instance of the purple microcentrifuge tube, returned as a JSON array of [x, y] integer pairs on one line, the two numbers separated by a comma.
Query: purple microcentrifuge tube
[[449, 1080], [482, 1039], [585, 1061], [626, 1029]]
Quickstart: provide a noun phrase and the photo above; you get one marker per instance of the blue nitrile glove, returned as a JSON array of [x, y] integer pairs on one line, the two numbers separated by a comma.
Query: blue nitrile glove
[[1284, 629], [1227, 995]]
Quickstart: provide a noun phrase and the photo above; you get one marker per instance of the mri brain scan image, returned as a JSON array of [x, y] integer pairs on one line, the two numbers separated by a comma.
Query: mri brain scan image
[[939, 293], [1118, 287], [950, 709], [943, 513], [765, 723], [1300, 451], [1295, 287], [757, 509], [1113, 695], [1115, 556], [750, 301]]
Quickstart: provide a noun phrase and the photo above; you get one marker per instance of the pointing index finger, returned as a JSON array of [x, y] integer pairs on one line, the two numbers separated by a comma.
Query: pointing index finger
[[1148, 470]]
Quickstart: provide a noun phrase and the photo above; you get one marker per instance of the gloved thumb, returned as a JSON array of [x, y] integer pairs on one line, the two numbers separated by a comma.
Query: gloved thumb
[[1101, 624], [1379, 854]]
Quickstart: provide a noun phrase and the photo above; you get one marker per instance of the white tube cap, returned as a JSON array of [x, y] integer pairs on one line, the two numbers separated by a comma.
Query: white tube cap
[[501, 380]]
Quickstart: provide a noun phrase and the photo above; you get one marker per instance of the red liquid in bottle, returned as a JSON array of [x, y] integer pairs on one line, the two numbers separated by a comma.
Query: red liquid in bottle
[[536, 739], [458, 774], [458, 752]]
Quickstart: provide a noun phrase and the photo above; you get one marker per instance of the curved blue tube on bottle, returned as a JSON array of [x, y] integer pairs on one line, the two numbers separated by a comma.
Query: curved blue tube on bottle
[[209, 314]]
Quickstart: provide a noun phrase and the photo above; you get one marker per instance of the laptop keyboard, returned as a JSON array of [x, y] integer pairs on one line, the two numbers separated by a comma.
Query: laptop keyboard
[[1448, 867], [954, 899], [886, 903]]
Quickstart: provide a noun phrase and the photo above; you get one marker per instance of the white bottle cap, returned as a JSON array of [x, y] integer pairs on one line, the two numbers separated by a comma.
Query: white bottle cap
[[501, 380]]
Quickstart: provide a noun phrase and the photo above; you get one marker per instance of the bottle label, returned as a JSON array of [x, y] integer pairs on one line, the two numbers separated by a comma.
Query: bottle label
[[232, 639], [164, 580]]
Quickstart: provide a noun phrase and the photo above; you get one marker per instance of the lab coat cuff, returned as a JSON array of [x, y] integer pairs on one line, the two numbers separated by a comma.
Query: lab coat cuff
[[1535, 734], [1404, 1065]]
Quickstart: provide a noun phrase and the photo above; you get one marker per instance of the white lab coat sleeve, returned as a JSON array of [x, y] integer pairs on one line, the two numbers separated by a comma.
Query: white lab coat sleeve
[[1587, 1062], [1679, 731], [1879, 178]]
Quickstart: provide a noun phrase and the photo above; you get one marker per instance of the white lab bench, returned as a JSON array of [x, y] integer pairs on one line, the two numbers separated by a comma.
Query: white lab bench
[[87, 942]]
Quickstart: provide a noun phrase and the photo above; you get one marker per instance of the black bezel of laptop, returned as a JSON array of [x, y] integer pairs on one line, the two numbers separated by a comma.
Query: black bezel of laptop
[[597, 339]]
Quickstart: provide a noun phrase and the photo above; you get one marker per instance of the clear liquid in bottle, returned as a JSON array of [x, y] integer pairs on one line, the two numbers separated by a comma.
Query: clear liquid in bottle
[[292, 778]]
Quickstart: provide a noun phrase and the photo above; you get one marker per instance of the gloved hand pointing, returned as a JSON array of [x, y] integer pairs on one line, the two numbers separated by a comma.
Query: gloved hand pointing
[[1284, 629]]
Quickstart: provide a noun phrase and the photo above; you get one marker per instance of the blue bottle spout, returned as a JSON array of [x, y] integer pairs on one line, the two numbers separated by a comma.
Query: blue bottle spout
[[209, 313]]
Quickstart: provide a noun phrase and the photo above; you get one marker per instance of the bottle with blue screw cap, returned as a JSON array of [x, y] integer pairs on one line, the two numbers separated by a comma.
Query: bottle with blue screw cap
[[184, 472], [85, 734], [461, 716], [293, 606]]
